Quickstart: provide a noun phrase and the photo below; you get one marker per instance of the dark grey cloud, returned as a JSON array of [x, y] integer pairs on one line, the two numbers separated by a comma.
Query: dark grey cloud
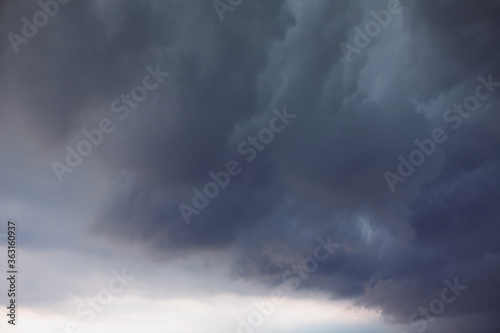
[[323, 175]]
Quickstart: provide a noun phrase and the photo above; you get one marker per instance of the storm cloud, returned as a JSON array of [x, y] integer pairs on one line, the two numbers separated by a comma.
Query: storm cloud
[[323, 174]]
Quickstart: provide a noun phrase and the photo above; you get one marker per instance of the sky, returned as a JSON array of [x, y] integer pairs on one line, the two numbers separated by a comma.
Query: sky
[[250, 166]]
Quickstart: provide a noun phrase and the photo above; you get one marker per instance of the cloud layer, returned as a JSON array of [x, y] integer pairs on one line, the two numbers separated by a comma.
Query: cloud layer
[[322, 175]]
